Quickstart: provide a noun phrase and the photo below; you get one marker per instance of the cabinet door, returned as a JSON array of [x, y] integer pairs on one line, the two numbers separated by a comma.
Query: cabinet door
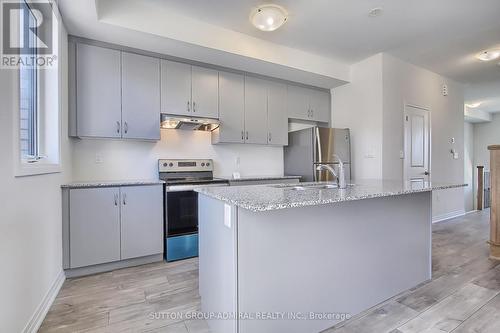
[[141, 221], [98, 91], [140, 97], [277, 118], [298, 103], [205, 92], [231, 108], [255, 110], [320, 105], [94, 226], [175, 88]]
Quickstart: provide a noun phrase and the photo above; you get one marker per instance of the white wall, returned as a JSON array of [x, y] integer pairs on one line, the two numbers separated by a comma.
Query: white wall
[[30, 217], [469, 172], [138, 160], [358, 106], [485, 134], [408, 84], [372, 105]]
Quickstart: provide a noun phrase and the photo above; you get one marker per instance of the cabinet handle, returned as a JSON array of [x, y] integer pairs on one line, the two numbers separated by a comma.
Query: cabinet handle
[[312, 113], [189, 107], [117, 127], [116, 199], [194, 106], [242, 135], [124, 199], [247, 135], [126, 127], [270, 137]]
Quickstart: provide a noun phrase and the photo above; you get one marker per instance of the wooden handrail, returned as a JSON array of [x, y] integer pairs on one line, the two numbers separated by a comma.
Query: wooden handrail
[[480, 186], [495, 202]]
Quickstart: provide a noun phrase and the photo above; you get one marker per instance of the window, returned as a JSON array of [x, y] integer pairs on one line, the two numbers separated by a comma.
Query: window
[[38, 115]]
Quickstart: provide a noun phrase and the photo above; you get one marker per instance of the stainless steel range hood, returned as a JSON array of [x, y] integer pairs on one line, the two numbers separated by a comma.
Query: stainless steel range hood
[[188, 123]]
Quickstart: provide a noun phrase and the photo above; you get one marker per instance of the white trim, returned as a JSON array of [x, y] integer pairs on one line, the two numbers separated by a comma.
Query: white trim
[[41, 311], [448, 216]]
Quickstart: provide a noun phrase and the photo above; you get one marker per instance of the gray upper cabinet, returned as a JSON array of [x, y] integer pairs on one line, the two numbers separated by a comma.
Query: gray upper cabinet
[[175, 88], [320, 105], [231, 109], [255, 110], [141, 221], [277, 119], [140, 97], [205, 92], [94, 226], [308, 104], [98, 90]]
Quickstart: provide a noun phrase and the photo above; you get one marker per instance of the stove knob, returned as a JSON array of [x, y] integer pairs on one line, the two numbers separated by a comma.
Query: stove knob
[[208, 164], [165, 164], [171, 165], [203, 164]]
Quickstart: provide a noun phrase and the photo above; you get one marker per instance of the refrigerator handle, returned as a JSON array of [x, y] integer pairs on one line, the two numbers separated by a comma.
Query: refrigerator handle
[[318, 145]]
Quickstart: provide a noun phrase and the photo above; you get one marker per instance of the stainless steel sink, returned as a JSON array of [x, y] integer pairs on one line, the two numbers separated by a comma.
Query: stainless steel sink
[[304, 187]]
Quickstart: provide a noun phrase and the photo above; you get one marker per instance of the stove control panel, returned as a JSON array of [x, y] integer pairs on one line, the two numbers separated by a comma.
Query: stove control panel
[[178, 165]]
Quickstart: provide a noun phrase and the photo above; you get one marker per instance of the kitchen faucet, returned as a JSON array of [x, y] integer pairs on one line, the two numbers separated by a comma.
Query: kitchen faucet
[[341, 175]]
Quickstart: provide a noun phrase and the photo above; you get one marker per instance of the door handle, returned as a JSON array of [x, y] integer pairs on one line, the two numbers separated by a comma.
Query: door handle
[[117, 127], [270, 137], [247, 135], [188, 106], [124, 199], [242, 135], [194, 106], [116, 199], [426, 173], [125, 127]]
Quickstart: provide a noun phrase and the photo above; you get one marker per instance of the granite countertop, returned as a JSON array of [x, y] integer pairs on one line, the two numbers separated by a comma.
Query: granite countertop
[[113, 183], [256, 178], [260, 198]]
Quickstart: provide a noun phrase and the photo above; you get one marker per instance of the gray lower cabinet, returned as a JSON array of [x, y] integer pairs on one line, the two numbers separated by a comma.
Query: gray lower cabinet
[[140, 97], [141, 216], [105, 225], [94, 226], [98, 92]]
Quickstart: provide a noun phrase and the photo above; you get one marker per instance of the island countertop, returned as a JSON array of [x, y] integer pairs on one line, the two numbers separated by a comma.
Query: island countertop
[[259, 198]]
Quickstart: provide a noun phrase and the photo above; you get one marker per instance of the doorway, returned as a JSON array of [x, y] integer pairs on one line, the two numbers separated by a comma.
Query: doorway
[[416, 144]]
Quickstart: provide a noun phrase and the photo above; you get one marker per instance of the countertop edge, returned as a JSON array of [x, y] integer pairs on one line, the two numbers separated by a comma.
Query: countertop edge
[[111, 184], [259, 208]]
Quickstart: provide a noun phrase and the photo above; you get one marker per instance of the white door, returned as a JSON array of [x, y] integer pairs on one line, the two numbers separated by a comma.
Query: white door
[[277, 119], [175, 88], [417, 143], [205, 92], [255, 110]]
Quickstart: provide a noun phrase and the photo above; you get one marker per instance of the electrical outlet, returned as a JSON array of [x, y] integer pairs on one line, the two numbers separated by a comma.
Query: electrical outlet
[[401, 154]]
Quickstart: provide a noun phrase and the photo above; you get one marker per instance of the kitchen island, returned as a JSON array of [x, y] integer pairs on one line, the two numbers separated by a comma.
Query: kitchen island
[[301, 258]]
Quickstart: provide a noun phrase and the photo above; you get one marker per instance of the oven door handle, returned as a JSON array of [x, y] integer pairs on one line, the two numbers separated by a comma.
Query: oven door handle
[[180, 188]]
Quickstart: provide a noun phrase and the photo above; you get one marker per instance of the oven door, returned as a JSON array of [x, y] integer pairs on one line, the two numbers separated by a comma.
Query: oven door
[[181, 212]]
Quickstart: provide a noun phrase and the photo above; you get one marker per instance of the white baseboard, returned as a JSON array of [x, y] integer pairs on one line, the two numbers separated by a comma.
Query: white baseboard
[[41, 311], [447, 216]]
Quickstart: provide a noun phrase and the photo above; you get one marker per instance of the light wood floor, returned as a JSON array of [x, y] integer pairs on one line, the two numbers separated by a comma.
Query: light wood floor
[[463, 296]]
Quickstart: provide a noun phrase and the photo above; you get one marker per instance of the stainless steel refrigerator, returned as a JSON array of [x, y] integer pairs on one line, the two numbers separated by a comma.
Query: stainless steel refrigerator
[[316, 145]]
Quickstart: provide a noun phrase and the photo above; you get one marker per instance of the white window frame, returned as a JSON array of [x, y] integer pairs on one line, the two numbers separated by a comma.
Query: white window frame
[[49, 103]]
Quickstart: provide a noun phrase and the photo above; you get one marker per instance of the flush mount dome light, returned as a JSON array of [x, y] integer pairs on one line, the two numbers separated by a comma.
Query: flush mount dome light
[[489, 55], [268, 17]]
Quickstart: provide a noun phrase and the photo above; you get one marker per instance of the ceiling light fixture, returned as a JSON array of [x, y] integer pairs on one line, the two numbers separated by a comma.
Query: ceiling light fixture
[[374, 12], [473, 105], [489, 55], [268, 17]]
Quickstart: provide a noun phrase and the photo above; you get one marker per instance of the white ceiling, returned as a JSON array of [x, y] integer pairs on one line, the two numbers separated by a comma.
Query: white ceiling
[[441, 35], [487, 94]]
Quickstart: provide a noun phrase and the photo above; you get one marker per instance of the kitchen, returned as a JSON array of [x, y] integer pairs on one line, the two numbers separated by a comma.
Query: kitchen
[[187, 164]]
